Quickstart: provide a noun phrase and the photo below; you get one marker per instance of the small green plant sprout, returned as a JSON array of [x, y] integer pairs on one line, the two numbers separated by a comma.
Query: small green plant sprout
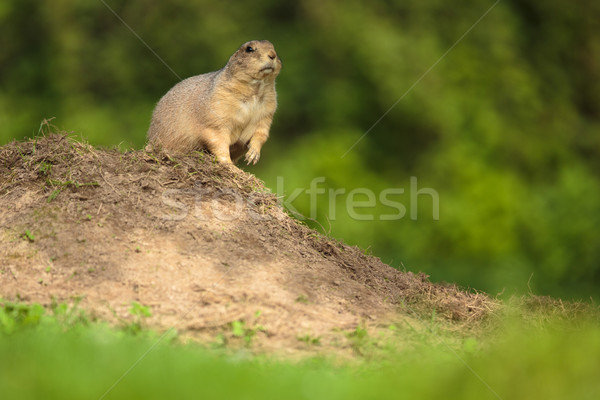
[[53, 195], [220, 341], [28, 235], [70, 315], [239, 329], [359, 340], [17, 316], [139, 310], [14, 316], [310, 340], [62, 185], [302, 299], [139, 313], [358, 333], [45, 168], [200, 155]]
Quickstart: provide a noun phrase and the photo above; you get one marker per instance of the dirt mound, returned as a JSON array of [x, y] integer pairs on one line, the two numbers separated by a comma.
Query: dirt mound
[[206, 247]]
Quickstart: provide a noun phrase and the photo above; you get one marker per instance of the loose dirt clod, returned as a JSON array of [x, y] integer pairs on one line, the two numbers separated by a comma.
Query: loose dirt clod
[[206, 247]]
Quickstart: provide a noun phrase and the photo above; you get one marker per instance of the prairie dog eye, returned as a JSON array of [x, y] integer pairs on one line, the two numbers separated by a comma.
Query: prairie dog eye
[[250, 49]]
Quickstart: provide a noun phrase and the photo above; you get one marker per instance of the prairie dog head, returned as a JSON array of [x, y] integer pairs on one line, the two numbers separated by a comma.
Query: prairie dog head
[[255, 60]]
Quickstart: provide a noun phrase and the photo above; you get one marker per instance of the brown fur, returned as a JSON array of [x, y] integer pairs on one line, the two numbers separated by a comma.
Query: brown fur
[[228, 112]]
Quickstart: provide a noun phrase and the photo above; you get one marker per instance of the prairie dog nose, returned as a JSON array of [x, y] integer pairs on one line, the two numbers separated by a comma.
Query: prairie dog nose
[[272, 54]]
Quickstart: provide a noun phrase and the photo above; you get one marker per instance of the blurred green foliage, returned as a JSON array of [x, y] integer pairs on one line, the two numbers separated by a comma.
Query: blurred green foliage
[[55, 356], [506, 127]]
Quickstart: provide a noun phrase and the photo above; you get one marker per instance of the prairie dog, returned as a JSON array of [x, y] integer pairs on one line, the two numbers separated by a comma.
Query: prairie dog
[[228, 112]]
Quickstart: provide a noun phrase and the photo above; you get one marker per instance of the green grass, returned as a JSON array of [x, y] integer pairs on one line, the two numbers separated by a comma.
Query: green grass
[[61, 354]]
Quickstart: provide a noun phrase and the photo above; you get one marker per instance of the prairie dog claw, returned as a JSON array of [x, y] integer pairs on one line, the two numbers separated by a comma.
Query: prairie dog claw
[[252, 156]]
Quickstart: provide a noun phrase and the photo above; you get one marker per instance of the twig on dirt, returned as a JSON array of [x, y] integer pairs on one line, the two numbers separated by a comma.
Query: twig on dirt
[[12, 273], [7, 191], [109, 184], [157, 181], [140, 178]]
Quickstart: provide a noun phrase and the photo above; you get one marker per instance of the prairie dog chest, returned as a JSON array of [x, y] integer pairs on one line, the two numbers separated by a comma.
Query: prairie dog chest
[[246, 119], [251, 109], [249, 112]]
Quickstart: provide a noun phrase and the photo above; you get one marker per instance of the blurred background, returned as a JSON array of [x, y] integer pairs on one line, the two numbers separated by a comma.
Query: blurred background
[[506, 128]]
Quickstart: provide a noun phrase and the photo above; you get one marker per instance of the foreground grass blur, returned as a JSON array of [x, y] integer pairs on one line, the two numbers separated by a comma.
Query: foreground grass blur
[[522, 355]]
